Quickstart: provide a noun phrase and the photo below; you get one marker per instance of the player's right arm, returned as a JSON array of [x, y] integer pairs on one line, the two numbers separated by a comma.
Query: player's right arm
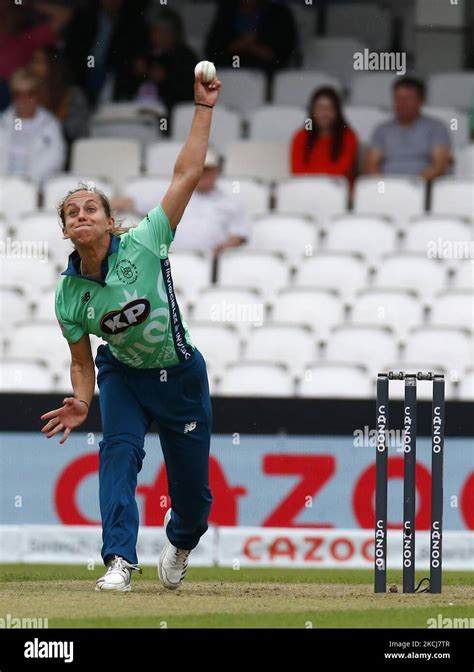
[[190, 162], [76, 408]]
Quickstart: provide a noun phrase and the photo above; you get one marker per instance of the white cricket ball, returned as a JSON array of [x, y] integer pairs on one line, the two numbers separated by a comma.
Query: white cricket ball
[[208, 71]]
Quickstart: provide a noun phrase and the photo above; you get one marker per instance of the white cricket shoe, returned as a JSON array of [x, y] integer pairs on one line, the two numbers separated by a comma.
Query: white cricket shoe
[[173, 562], [118, 576]]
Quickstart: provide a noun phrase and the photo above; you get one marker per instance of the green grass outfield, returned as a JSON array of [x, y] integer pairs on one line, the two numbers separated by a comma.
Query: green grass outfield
[[227, 598]]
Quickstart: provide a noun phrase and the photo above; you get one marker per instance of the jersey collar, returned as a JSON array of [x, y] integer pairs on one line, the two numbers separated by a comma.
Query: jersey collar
[[75, 260]]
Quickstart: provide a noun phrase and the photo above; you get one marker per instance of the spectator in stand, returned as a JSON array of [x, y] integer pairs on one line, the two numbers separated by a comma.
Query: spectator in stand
[[261, 33], [213, 221], [326, 145], [30, 137], [24, 29], [58, 95], [411, 143], [163, 72], [100, 42]]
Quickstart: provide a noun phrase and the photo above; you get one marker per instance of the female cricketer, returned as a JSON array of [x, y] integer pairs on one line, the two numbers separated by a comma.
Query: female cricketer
[[120, 288]]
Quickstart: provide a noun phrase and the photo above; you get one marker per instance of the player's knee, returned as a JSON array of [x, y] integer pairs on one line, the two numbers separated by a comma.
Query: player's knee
[[121, 451]]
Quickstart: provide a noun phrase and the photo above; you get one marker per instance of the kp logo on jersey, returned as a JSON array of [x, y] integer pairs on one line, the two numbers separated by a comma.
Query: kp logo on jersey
[[132, 314]]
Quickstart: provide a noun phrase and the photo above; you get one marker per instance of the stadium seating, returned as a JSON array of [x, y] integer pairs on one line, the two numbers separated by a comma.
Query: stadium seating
[[457, 87], [252, 158], [364, 120], [243, 90], [464, 276], [146, 191], [291, 345], [23, 375], [456, 122], [55, 188], [332, 55], [30, 274], [43, 229], [219, 343], [18, 196], [464, 164], [105, 158], [319, 197], [398, 309], [335, 381], [369, 236], [160, 157], [265, 271], [297, 86], [257, 379], [466, 385], [362, 344], [449, 345], [252, 194], [276, 122], [226, 125], [370, 23], [398, 197], [143, 129], [191, 271], [454, 309], [50, 346], [425, 234], [13, 307], [293, 237], [230, 305], [411, 271], [344, 273], [452, 196], [373, 89], [321, 309]]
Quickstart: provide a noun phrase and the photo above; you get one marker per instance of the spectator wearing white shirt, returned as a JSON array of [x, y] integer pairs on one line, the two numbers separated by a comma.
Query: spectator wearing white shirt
[[213, 220], [30, 137]]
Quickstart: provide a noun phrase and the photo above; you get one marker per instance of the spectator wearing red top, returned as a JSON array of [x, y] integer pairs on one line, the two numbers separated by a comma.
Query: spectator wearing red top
[[326, 145], [22, 31]]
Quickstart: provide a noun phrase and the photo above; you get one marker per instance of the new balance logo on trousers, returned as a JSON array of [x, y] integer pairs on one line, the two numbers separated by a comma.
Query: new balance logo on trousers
[[189, 426]]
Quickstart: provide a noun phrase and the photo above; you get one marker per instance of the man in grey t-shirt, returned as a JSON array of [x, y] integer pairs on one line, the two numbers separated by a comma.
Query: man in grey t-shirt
[[411, 143]]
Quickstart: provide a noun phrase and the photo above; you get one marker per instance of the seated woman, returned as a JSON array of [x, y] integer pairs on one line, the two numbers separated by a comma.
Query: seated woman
[[326, 145]]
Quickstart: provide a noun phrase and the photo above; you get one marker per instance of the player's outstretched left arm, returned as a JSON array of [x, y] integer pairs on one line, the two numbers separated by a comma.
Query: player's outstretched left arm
[[190, 162]]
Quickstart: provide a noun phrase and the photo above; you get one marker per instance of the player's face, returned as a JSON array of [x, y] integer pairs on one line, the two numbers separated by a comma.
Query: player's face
[[85, 218]]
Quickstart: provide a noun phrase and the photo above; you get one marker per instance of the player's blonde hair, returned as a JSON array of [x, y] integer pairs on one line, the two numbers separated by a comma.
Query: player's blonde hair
[[117, 230]]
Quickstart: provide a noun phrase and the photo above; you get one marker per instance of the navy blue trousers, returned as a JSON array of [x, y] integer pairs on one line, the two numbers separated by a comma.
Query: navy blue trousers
[[130, 399]]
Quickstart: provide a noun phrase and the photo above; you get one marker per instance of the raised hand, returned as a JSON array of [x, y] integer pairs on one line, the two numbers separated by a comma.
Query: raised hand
[[206, 93]]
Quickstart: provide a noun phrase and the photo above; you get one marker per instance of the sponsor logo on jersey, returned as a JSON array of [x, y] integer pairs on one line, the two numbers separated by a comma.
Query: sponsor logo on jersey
[[131, 315], [85, 297], [126, 271]]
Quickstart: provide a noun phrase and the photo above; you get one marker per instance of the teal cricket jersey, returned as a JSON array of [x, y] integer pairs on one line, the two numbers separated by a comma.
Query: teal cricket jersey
[[133, 307]]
